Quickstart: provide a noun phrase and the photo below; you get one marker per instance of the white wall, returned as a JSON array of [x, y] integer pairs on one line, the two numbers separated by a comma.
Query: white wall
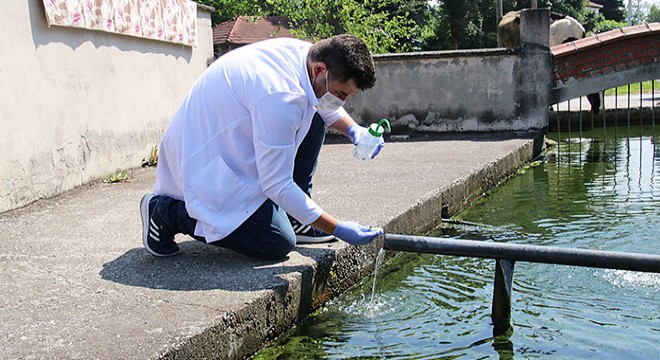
[[76, 105]]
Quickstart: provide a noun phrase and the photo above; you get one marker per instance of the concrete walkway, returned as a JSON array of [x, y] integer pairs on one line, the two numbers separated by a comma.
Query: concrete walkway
[[76, 283]]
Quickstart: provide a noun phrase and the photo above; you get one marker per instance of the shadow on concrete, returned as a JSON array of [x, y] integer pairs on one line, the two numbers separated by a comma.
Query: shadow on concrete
[[203, 267]]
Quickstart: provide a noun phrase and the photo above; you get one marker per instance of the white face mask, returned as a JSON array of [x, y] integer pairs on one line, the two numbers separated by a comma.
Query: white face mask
[[329, 102]]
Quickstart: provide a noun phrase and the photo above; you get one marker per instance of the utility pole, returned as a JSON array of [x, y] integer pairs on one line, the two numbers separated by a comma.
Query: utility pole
[[629, 12], [498, 17]]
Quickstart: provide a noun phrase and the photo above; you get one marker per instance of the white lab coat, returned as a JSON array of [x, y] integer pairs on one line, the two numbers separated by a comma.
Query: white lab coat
[[232, 142]]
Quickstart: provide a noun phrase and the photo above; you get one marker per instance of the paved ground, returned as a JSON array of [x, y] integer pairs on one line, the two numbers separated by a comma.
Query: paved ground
[[75, 282]]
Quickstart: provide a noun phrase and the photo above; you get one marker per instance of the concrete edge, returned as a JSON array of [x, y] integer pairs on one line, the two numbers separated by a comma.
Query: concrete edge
[[239, 334]]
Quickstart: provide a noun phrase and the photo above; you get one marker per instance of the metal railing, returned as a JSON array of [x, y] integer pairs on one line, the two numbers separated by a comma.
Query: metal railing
[[506, 255], [607, 108]]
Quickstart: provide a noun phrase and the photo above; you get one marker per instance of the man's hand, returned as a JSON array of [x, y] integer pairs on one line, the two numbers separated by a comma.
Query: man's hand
[[356, 234], [356, 132]]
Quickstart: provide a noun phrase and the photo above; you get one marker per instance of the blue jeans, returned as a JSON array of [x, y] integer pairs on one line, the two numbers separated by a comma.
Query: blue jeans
[[267, 234]]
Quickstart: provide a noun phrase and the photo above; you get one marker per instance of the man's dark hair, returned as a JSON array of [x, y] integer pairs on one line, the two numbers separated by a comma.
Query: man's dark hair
[[347, 57]]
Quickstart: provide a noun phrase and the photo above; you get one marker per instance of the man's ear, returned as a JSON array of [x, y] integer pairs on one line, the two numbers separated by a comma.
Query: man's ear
[[318, 68]]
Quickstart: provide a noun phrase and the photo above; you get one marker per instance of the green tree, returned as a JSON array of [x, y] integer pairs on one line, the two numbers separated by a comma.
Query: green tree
[[488, 24], [612, 9], [607, 25], [384, 25], [401, 25], [591, 20], [436, 33], [455, 14], [387, 25], [230, 9], [464, 24], [654, 14], [567, 7]]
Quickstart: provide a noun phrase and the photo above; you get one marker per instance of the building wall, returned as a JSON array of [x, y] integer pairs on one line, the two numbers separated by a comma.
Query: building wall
[[76, 105]]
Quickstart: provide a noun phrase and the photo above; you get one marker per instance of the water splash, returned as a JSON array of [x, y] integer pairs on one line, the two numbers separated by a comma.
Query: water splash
[[371, 307]]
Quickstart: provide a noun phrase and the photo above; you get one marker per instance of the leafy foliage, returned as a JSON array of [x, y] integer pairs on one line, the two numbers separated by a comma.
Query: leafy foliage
[[229, 9], [384, 25], [654, 14], [607, 25], [410, 25], [612, 10]]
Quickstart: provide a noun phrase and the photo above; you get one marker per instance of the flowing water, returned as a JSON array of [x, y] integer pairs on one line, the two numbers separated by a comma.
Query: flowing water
[[379, 262], [599, 190]]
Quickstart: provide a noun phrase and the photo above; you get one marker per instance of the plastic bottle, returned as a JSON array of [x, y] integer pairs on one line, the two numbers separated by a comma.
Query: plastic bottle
[[366, 147]]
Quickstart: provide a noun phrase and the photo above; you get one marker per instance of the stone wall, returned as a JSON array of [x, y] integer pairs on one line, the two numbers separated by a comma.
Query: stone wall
[[471, 90]]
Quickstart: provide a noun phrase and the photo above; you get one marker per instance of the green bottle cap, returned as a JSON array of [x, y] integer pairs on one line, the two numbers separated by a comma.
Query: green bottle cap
[[377, 130]]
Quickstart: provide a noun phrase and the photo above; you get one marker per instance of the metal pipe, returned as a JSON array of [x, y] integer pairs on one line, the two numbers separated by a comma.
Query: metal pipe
[[498, 17], [523, 252], [502, 289]]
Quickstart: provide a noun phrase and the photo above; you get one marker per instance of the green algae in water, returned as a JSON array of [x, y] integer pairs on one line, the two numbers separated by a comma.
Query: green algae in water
[[600, 192]]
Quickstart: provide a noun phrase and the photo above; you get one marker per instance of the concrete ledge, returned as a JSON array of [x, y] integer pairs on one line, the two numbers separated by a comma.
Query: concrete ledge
[[440, 54], [76, 282]]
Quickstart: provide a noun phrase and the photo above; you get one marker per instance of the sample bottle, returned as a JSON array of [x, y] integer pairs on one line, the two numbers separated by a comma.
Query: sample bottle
[[367, 147]]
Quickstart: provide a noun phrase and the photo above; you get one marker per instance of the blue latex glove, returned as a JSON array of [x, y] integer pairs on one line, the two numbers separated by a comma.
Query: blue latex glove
[[356, 234], [355, 133], [380, 146]]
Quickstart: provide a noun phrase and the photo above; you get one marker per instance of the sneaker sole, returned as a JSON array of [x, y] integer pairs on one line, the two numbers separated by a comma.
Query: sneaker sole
[[300, 239], [144, 213]]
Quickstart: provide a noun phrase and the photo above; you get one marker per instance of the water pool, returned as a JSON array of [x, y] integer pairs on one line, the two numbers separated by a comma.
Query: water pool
[[598, 191]]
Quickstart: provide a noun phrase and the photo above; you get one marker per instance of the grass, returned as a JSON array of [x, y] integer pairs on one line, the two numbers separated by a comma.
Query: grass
[[646, 86], [152, 159], [116, 177]]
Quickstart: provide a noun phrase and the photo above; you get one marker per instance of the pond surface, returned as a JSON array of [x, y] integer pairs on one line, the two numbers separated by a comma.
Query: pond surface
[[598, 190]]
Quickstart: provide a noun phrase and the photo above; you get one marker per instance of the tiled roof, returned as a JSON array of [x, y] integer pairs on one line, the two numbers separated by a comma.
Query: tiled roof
[[250, 29], [606, 37], [594, 5]]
